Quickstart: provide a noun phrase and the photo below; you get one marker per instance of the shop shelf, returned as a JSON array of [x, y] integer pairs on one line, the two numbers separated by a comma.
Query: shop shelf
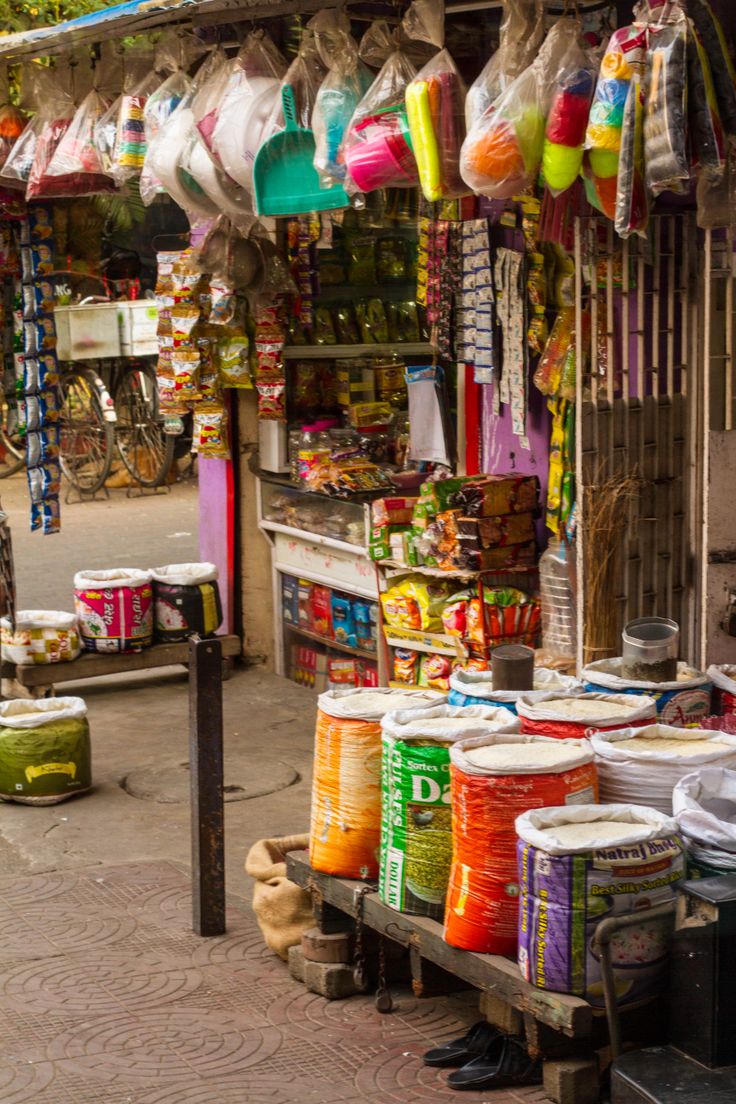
[[342, 352], [362, 653], [419, 641], [314, 538], [394, 568]]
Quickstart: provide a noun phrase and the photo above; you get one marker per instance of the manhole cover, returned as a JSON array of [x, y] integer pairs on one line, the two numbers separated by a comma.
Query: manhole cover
[[169, 783]]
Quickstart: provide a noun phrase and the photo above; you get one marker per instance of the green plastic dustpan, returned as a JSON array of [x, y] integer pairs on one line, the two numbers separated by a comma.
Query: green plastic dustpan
[[285, 180]]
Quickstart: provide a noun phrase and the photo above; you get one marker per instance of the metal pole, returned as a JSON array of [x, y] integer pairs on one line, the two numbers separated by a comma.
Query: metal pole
[[206, 769]]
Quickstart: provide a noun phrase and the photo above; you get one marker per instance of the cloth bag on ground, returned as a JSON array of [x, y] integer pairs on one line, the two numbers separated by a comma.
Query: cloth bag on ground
[[519, 38], [579, 864], [345, 827], [680, 703], [114, 609], [493, 780], [502, 152], [248, 102], [704, 806], [45, 754], [283, 910], [186, 601], [642, 765], [40, 636], [416, 829], [347, 81]]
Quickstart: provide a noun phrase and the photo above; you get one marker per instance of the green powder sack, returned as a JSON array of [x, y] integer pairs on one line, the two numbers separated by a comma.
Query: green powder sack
[[416, 829], [44, 750]]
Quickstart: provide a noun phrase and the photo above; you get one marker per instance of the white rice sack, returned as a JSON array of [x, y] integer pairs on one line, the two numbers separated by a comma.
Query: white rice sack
[[185, 574], [370, 704], [448, 723], [516, 753], [469, 687], [643, 765], [704, 805], [682, 702]]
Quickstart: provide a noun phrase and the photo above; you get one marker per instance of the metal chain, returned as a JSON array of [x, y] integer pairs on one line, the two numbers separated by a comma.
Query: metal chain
[[360, 973], [384, 1003]]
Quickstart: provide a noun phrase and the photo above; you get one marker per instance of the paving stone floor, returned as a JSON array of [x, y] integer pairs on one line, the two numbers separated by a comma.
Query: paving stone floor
[[107, 996]]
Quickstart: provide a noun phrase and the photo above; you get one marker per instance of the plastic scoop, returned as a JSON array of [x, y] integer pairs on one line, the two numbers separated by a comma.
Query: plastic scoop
[[285, 180]]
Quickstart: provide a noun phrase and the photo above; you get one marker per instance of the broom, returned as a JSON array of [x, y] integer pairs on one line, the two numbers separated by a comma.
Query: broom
[[607, 507]]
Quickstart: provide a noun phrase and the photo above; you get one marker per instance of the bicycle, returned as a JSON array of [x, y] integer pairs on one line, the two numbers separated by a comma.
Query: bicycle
[[12, 441]]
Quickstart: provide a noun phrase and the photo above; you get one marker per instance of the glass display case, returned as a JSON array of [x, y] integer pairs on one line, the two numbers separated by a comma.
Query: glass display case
[[317, 515]]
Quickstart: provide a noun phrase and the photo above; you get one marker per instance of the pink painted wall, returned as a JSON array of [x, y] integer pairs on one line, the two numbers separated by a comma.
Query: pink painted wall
[[217, 529]]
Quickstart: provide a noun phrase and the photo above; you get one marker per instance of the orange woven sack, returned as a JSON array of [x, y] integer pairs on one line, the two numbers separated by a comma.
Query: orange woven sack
[[566, 717], [345, 831], [487, 796]]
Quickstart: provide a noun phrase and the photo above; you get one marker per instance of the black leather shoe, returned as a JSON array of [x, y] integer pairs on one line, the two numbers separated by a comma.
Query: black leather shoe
[[460, 1051], [504, 1063]]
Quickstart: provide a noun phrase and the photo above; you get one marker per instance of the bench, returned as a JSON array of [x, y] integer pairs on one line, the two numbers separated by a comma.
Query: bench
[[39, 676], [563, 1030]]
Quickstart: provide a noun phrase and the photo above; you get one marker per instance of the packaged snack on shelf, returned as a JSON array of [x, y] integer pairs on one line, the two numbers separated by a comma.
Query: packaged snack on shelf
[[386, 542], [290, 599], [322, 610], [406, 666], [370, 414], [491, 532], [393, 511], [365, 615], [416, 602], [435, 671], [511, 617], [343, 620], [342, 673], [496, 559], [305, 615], [492, 495]]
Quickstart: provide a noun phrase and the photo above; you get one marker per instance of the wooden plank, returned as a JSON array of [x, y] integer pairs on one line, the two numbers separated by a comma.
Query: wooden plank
[[91, 665], [489, 973]]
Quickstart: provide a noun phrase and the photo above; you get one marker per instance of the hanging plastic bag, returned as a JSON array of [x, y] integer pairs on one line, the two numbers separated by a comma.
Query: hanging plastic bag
[[209, 96], [520, 36], [632, 200], [54, 118], [304, 76], [160, 106], [127, 116], [377, 148], [711, 36], [567, 120], [704, 121], [75, 168], [227, 196], [347, 81], [435, 107], [43, 88], [501, 155], [247, 105], [606, 119], [12, 121], [667, 163]]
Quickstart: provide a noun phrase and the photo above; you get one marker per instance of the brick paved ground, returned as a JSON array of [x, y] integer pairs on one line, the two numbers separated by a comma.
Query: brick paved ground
[[106, 995]]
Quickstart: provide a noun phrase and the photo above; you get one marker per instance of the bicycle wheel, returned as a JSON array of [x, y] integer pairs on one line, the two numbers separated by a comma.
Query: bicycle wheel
[[146, 450], [86, 438], [12, 443]]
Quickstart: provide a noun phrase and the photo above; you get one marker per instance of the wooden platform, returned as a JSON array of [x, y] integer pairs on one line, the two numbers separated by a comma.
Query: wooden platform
[[489, 973], [92, 664]]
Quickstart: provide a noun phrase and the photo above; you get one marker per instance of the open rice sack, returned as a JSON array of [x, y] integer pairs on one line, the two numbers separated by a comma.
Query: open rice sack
[[45, 754], [704, 806], [416, 832], [345, 828], [576, 715], [493, 780], [723, 678], [40, 636], [579, 864], [471, 687], [643, 765], [114, 609], [681, 703], [186, 601]]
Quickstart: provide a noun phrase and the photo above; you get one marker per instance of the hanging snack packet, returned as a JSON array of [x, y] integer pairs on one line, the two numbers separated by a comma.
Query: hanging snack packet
[[377, 148], [632, 200], [501, 154], [347, 81], [665, 112], [520, 36], [567, 120], [246, 106], [233, 351], [210, 436]]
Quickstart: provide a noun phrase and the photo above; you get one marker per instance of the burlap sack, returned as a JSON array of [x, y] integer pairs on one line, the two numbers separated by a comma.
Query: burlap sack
[[283, 909]]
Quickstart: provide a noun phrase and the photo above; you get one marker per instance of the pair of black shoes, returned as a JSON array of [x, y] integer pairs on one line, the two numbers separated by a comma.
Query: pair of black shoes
[[487, 1058]]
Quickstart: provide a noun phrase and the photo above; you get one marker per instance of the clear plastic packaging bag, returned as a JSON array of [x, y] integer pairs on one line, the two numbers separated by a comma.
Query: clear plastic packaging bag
[[435, 107], [632, 199], [209, 97], [226, 196], [40, 86], [12, 120], [54, 117], [159, 108], [704, 121], [502, 153], [246, 107], [125, 121], [520, 36], [347, 81], [75, 168], [567, 120], [665, 99], [377, 148], [304, 76]]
